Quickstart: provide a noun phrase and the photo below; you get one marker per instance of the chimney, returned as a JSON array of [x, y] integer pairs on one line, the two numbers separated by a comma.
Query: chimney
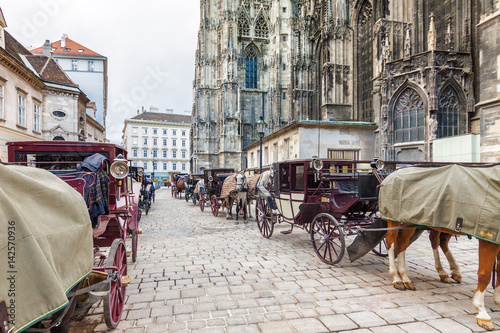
[[46, 48], [63, 40]]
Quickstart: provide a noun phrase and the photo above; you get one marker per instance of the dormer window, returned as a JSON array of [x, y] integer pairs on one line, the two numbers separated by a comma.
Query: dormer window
[[66, 49], [80, 50]]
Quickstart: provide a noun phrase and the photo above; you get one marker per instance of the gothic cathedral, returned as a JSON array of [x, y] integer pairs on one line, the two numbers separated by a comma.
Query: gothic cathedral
[[406, 65]]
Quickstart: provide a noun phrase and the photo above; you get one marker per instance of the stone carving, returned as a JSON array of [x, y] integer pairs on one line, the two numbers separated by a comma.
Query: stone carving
[[431, 35], [366, 12]]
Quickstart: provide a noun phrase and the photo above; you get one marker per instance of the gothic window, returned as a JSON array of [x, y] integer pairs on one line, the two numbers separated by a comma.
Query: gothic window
[[251, 69], [409, 117], [243, 25], [261, 29], [447, 116], [443, 11], [365, 62]]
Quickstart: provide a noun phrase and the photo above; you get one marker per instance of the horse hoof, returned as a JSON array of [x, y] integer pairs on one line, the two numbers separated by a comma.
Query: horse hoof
[[399, 286], [457, 277], [445, 278], [486, 324], [410, 286]]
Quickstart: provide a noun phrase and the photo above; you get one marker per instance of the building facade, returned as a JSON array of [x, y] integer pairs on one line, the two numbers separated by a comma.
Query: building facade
[[85, 67], [412, 67], [21, 94], [158, 142]]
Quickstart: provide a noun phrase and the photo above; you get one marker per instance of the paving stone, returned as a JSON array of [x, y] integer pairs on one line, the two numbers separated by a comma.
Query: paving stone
[[366, 319], [418, 327], [448, 325], [276, 327], [310, 325]]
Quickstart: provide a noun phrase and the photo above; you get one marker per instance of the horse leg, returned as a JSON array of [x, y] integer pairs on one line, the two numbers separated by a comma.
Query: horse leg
[[455, 269], [237, 207], [402, 244], [488, 253], [249, 210], [435, 238], [390, 239], [244, 202]]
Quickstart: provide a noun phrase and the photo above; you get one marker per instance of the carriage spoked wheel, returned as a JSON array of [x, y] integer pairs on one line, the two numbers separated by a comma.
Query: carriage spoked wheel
[[186, 196], [193, 197], [264, 217], [381, 249], [327, 238], [173, 191], [115, 299], [202, 203], [214, 205]]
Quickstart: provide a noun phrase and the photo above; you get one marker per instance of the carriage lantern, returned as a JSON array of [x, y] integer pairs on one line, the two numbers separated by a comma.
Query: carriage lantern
[[261, 128], [119, 168]]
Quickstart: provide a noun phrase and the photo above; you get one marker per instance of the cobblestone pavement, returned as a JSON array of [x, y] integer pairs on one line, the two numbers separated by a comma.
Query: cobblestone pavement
[[200, 273]]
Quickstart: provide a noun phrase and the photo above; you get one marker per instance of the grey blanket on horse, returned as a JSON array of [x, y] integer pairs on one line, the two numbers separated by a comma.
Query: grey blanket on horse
[[453, 197], [46, 244]]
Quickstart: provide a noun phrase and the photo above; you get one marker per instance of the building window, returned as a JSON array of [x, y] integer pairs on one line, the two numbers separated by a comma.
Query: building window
[[155, 166], [135, 152], [348, 154], [365, 62], [164, 142], [174, 154], [183, 154], [284, 67], [74, 65], [155, 131], [287, 149], [284, 9], [135, 164], [145, 153], [174, 143], [145, 165], [183, 133], [145, 141], [409, 117], [251, 69], [284, 95], [183, 166], [134, 141], [90, 65], [164, 166], [21, 110], [134, 130], [145, 130], [155, 142], [183, 144], [164, 154], [283, 38], [2, 114], [36, 117], [448, 116], [155, 153], [243, 25], [164, 132], [261, 29], [174, 132]]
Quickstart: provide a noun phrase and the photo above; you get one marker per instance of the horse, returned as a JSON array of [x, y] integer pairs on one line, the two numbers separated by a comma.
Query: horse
[[181, 185], [443, 203], [241, 195]]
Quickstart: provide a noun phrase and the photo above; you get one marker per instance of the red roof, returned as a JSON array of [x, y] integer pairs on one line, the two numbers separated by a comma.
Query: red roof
[[72, 48]]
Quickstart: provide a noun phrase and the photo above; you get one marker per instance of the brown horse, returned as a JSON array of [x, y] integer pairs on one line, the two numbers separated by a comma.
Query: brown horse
[[488, 254], [181, 185]]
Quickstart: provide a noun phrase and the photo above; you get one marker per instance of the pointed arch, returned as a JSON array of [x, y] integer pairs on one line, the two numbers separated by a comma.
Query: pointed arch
[[251, 62], [409, 110], [243, 23], [364, 60], [450, 117], [261, 25]]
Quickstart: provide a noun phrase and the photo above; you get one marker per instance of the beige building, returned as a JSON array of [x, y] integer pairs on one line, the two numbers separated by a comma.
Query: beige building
[[21, 94], [305, 139]]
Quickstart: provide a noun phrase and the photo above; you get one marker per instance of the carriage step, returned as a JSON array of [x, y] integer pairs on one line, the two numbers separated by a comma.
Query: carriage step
[[286, 232], [126, 280]]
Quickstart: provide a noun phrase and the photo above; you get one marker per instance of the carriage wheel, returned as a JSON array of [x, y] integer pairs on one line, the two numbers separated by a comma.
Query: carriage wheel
[[147, 205], [115, 299], [327, 238], [381, 249], [214, 205], [193, 197], [139, 213], [186, 196], [173, 191], [135, 237], [202, 203], [264, 217]]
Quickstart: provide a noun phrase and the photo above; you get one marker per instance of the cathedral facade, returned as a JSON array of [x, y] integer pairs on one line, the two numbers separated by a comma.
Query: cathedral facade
[[407, 66]]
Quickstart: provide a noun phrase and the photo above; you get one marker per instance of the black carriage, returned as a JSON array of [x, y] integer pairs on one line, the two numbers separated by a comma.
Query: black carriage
[[330, 199], [213, 180], [191, 182]]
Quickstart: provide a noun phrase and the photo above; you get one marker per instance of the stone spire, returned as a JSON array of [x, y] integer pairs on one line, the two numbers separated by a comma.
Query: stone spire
[[431, 35], [448, 39], [407, 45]]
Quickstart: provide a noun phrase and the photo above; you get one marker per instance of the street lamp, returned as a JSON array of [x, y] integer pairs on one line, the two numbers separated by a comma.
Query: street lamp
[[261, 128]]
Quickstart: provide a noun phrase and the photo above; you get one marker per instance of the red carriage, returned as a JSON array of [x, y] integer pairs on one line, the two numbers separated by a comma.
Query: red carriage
[[100, 173]]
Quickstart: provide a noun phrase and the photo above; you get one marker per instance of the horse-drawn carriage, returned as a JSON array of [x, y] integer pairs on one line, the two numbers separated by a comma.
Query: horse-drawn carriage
[[213, 180], [191, 182], [99, 174], [178, 183], [330, 199]]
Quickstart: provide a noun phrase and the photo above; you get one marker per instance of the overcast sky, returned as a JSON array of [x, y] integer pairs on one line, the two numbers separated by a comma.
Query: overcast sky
[[150, 46]]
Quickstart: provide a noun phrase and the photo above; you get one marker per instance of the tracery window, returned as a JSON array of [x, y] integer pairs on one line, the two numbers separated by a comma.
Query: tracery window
[[251, 69], [409, 117], [243, 25], [447, 116], [365, 62], [261, 29]]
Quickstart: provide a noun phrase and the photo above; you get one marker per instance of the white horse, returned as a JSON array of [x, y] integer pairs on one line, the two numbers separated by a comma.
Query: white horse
[[241, 195]]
